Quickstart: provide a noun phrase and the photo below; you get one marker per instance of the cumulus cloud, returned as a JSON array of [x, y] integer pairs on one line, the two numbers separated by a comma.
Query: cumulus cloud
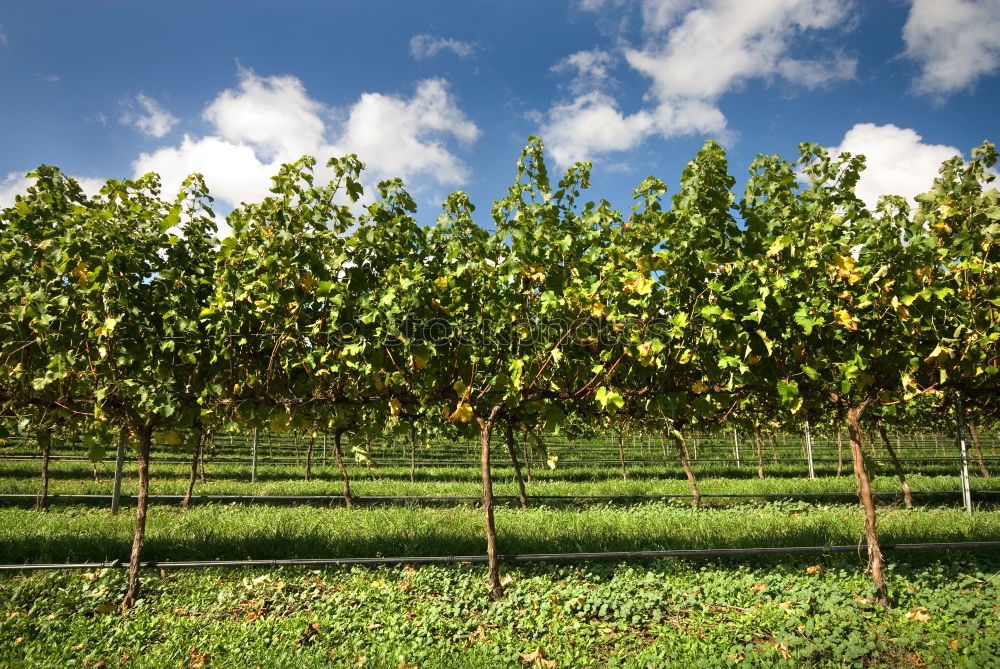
[[898, 162], [592, 125], [695, 51], [955, 42], [428, 46], [153, 120], [401, 137], [590, 70], [266, 121]]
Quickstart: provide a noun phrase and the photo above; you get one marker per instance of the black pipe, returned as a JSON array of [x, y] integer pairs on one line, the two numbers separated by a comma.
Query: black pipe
[[533, 557]]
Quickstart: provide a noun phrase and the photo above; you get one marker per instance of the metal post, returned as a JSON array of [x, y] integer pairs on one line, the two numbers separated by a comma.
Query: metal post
[[253, 458], [116, 494], [966, 490], [809, 451], [736, 447]]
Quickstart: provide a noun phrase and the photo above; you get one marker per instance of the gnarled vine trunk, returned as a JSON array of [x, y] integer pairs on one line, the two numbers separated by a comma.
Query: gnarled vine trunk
[[309, 455], [758, 443], [900, 474], [492, 556], [875, 560], [116, 491], [512, 449], [195, 457], [686, 466], [45, 440], [145, 435], [840, 453], [339, 454], [621, 456], [974, 431]]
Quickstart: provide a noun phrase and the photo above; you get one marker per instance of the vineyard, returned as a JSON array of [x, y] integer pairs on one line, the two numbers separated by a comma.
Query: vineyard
[[715, 429]]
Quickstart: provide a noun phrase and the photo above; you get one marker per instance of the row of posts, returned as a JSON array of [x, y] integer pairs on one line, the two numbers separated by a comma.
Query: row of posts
[[963, 457]]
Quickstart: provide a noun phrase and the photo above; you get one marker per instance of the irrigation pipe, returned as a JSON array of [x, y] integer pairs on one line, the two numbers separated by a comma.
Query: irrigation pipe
[[514, 559], [381, 499]]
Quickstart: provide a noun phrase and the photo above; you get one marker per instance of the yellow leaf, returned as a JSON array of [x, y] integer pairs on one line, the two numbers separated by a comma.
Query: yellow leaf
[[699, 387], [463, 414], [919, 614], [395, 406], [642, 285], [106, 608], [815, 569], [79, 273], [173, 438], [308, 282], [844, 318], [843, 261], [441, 282], [419, 362], [537, 658], [506, 580]]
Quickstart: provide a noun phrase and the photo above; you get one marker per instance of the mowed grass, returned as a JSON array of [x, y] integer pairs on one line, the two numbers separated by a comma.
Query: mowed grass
[[80, 534], [227, 479], [811, 611]]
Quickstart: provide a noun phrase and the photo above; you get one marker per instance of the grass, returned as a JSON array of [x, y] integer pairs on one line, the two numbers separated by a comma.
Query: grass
[[800, 612], [228, 479], [788, 610], [80, 534]]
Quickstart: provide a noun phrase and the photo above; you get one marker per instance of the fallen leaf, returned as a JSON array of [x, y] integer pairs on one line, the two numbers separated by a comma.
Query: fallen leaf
[[307, 636], [537, 659], [785, 606], [506, 580], [919, 614], [782, 649], [759, 587], [815, 569], [198, 660], [479, 634]]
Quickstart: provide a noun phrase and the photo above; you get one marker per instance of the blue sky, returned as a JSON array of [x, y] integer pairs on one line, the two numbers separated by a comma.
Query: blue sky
[[444, 94]]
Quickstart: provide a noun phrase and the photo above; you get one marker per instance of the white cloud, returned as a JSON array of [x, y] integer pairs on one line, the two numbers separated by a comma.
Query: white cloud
[[155, 121], [693, 52], [592, 125], [3, 36], [898, 162], [267, 121], [955, 42], [591, 70], [428, 46], [720, 44], [400, 137], [274, 115]]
